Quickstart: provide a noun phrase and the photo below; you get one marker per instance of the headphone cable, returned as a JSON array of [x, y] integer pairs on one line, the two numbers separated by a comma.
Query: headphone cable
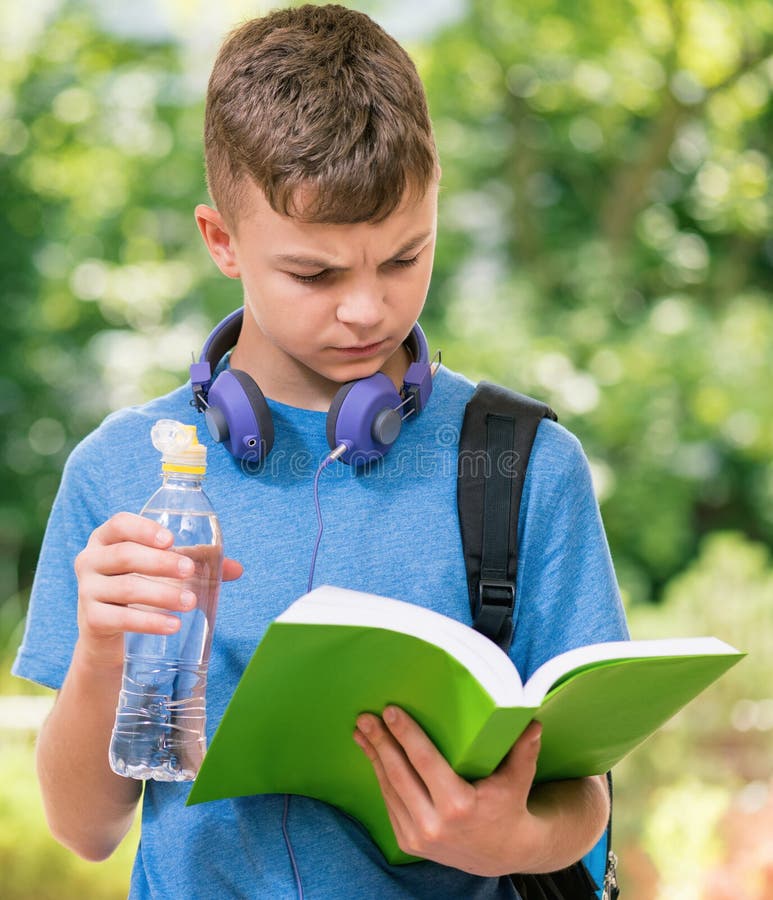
[[289, 845], [331, 457]]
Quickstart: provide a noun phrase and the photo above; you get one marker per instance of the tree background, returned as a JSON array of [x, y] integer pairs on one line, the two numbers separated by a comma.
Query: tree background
[[604, 244]]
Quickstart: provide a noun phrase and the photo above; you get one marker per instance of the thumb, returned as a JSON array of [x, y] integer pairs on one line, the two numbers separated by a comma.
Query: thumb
[[231, 569], [520, 765]]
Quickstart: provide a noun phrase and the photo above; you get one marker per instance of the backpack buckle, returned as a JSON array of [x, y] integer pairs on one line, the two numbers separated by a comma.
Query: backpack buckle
[[500, 594], [495, 611]]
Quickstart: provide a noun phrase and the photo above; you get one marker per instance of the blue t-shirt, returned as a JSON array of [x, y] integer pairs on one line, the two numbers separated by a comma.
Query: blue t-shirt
[[392, 530]]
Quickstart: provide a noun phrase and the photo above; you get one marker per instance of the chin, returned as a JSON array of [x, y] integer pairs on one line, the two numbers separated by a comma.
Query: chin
[[342, 374]]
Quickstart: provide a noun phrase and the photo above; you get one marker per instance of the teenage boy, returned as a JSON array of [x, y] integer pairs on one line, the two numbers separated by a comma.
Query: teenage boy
[[324, 178]]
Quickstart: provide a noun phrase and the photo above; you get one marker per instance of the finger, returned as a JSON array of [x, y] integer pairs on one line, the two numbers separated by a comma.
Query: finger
[[126, 526], [397, 769], [136, 590], [128, 556], [397, 810], [232, 569], [106, 619], [430, 765], [519, 767]]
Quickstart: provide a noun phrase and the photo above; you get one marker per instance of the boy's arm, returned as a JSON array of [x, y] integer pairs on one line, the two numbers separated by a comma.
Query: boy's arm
[[88, 807], [496, 826]]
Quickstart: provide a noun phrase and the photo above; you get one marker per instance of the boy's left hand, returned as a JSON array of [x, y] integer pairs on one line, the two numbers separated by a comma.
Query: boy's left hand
[[483, 827]]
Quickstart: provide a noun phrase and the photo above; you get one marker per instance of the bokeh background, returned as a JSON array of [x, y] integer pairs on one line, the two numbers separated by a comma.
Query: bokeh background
[[604, 244]]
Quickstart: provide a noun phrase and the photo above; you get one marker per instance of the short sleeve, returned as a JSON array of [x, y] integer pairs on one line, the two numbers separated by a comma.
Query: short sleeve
[[567, 589], [51, 627]]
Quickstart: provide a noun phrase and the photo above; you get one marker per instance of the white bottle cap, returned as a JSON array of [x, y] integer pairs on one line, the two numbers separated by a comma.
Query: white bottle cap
[[179, 447]]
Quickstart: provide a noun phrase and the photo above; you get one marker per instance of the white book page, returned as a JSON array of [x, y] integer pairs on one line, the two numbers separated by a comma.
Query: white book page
[[492, 668], [554, 669]]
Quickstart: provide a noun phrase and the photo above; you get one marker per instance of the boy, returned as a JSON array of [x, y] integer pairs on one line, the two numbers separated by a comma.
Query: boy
[[324, 176]]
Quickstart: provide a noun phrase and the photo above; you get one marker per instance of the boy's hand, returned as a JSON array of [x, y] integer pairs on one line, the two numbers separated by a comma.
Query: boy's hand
[[485, 827], [121, 565]]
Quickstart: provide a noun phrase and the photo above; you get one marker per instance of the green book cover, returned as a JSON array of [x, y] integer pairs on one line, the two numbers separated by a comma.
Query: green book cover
[[335, 653]]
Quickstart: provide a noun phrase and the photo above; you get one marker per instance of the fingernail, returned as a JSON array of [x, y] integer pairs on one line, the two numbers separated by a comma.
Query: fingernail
[[390, 715], [163, 536], [364, 724], [187, 599], [185, 566]]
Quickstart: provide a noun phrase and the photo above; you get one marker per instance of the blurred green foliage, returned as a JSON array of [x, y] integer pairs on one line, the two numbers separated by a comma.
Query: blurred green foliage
[[604, 244], [710, 767], [106, 291]]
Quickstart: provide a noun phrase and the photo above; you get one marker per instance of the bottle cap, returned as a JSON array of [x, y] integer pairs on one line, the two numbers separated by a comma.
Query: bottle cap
[[179, 447]]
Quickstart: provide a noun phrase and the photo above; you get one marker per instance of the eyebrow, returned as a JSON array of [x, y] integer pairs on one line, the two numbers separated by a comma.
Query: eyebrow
[[312, 262]]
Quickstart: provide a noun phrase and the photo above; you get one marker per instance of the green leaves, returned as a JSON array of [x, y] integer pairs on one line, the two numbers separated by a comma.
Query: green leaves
[[608, 200]]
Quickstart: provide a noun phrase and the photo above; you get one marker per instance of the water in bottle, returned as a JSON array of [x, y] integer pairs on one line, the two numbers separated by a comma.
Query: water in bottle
[[160, 722]]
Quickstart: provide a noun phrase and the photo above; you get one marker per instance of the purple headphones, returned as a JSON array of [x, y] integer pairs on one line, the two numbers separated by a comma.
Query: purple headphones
[[365, 415]]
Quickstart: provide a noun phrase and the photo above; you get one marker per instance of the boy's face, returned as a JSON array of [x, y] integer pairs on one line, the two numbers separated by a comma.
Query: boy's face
[[324, 303]]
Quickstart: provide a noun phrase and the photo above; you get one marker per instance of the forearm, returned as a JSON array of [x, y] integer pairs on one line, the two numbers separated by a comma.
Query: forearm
[[88, 807], [572, 816]]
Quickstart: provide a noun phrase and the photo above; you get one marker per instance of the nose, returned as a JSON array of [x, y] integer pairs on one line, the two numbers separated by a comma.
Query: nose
[[361, 305]]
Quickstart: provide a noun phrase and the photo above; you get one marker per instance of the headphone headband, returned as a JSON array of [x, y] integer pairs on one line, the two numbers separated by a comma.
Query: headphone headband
[[222, 338], [416, 342]]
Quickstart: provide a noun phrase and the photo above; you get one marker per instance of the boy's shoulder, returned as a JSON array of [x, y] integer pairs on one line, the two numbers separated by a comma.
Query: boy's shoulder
[[556, 450]]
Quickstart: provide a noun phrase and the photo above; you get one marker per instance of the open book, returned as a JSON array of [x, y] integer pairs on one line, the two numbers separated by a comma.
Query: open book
[[335, 653]]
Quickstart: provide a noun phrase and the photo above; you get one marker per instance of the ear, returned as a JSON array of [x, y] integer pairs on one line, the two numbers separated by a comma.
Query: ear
[[218, 239]]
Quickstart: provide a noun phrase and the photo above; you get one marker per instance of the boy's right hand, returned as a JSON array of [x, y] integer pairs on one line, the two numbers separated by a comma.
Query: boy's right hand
[[119, 568]]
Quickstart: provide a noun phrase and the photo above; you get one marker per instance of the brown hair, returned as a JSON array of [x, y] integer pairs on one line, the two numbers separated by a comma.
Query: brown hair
[[324, 111]]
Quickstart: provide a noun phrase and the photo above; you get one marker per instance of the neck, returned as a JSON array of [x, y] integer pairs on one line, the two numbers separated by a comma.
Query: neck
[[294, 383]]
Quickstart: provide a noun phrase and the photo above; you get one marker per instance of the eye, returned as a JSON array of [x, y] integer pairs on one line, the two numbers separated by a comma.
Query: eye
[[405, 263], [310, 279]]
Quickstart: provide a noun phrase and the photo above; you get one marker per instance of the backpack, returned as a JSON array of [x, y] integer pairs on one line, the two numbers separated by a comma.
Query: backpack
[[496, 440]]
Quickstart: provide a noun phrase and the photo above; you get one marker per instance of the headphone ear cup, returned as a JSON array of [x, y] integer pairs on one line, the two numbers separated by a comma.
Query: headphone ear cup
[[238, 416], [364, 415], [331, 422]]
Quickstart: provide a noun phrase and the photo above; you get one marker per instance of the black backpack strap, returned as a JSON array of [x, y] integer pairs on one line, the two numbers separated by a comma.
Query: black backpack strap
[[494, 448], [496, 440]]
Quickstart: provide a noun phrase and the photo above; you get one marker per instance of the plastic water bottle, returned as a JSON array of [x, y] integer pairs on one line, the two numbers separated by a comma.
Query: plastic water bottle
[[160, 722]]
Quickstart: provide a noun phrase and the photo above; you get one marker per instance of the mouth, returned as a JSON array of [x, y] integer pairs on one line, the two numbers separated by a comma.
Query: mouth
[[362, 349]]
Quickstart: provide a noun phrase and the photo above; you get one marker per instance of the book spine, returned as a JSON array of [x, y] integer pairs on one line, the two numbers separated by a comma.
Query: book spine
[[493, 742]]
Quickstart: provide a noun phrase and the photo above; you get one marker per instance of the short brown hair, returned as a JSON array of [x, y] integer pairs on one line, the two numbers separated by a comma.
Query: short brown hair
[[317, 97]]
